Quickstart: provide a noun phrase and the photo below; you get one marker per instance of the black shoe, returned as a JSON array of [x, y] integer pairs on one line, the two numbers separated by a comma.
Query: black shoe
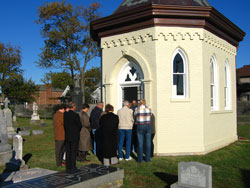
[[75, 171]]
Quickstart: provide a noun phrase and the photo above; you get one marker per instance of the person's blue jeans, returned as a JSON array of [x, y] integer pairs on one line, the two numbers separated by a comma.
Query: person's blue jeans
[[144, 131], [122, 134], [94, 140]]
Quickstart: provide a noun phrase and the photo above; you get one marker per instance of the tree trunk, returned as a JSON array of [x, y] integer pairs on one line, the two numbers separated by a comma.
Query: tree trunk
[[82, 88], [3, 97]]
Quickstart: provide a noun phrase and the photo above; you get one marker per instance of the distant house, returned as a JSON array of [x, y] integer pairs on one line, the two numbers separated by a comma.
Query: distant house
[[48, 95], [243, 79]]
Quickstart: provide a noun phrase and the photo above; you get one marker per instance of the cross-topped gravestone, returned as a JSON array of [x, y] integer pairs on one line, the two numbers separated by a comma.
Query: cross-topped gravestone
[[77, 79], [8, 117], [77, 94], [7, 113]]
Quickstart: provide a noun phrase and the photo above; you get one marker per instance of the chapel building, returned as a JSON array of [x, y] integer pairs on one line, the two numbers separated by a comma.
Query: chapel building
[[180, 56]]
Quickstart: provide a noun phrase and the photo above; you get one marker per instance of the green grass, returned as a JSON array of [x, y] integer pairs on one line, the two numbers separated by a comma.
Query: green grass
[[231, 165], [243, 118]]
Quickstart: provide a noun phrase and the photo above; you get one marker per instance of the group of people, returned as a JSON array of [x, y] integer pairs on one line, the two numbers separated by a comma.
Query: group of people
[[72, 135], [103, 132]]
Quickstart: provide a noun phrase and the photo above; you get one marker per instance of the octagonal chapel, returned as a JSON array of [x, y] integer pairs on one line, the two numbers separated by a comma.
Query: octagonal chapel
[[180, 56]]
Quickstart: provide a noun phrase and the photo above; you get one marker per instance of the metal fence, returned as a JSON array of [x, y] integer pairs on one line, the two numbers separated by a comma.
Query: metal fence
[[44, 111]]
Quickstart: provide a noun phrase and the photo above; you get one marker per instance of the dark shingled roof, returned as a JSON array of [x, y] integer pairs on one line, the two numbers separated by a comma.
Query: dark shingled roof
[[129, 4], [244, 71], [44, 88]]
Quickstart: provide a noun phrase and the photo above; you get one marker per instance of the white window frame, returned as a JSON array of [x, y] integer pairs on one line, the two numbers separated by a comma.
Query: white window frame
[[185, 76], [133, 83], [227, 86], [213, 85]]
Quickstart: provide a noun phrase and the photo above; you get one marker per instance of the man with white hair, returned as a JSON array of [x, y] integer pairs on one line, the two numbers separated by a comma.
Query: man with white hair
[[126, 121]]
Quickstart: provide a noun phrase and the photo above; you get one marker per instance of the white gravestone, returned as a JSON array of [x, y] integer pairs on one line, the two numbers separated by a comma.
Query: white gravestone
[[18, 147], [194, 175], [35, 119], [35, 115]]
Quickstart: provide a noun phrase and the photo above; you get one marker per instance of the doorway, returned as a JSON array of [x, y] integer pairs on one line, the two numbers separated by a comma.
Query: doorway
[[130, 94], [130, 85]]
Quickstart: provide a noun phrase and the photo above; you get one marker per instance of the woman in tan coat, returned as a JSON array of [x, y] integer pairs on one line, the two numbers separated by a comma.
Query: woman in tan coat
[[85, 143]]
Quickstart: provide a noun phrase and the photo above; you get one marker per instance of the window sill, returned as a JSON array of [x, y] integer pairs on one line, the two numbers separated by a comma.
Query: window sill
[[220, 112], [180, 100]]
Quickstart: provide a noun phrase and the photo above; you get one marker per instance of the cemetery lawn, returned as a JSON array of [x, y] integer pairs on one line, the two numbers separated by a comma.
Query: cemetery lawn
[[231, 165]]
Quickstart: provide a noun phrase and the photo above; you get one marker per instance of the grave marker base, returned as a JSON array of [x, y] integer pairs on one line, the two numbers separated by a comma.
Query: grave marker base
[[89, 176]]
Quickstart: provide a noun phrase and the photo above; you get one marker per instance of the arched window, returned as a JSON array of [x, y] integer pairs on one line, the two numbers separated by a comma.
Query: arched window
[[213, 84], [180, 76], [130, 85], [227, 84]]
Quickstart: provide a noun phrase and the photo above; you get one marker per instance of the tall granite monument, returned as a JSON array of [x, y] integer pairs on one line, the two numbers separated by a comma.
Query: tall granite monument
[[77, 94], [5, 149]]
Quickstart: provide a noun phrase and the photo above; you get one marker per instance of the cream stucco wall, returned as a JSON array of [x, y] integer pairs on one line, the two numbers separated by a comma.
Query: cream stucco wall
[[183, 126], [219, 125]]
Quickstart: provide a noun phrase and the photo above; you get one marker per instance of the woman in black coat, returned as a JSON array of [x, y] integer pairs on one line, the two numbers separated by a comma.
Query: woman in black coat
[[109, 130]]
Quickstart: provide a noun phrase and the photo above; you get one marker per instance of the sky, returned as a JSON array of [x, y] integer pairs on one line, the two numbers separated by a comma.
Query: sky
[[18, 27]]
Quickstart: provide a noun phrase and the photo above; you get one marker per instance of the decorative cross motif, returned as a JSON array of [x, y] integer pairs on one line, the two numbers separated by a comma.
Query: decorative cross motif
[[127, 79], [132, 75], [133, 70]]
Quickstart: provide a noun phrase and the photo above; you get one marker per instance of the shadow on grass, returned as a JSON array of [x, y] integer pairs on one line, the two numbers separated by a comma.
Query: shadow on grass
[[245, 177], [27, 157], [168, 178], [13, 165]]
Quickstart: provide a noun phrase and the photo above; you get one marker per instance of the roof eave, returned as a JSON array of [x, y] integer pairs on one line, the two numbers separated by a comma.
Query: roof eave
[[167, 15]]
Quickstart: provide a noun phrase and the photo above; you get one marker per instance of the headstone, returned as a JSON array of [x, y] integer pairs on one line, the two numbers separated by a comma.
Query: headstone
[[77, 94], [26, 128], [14, 118], [37, 132], [24, 133], [18, 147], [89, 176], [35, 119], [17, 163], [8, 117], [42, 123], [193, 175], [5, 149]]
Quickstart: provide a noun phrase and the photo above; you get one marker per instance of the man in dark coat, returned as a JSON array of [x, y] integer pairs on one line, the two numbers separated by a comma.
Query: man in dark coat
[[72, 126], [94, 121], [85, 139], [109, 129]]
